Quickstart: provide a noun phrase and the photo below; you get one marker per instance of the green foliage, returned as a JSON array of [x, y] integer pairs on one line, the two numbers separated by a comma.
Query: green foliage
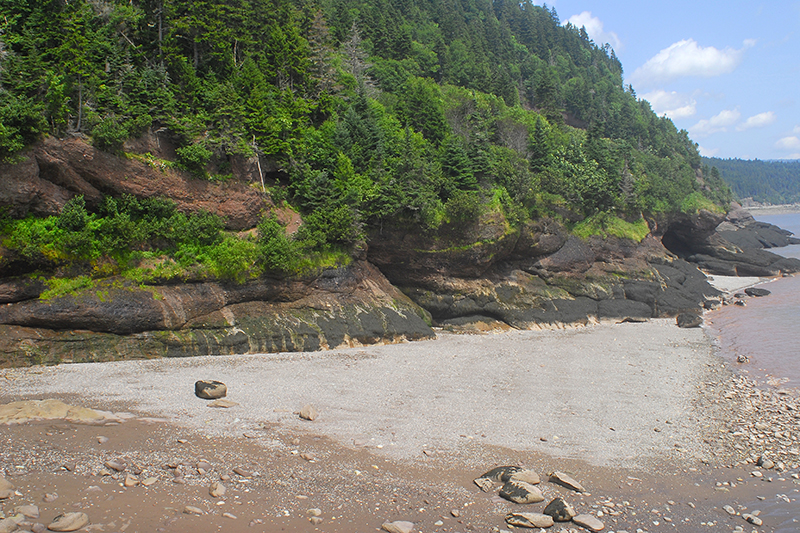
[[771, 182], [696, 202], [194, 158], [605, 224], [464, 207]]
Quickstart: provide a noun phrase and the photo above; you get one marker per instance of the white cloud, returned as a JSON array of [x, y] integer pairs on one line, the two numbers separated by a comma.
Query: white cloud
[[796, 129], [687, 58], [758, 121], [673, 104], [788, 143], [720, 122], [594, 27], [708, 152]]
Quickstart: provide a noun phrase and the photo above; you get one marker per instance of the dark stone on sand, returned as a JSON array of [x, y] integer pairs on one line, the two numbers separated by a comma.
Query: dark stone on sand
[[210, 390], [560, 510], [502, 473], [689, 320], [755, 291]]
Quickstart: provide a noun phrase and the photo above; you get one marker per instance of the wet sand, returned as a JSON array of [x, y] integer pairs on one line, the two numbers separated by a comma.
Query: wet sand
[[646, 416]]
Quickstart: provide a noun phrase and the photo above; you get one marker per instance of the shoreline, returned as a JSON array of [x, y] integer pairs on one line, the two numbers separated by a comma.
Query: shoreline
[[673, 404]]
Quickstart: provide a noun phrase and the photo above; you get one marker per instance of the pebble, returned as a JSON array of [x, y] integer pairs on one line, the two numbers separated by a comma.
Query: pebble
[[149, 481], [399, 526], [193, 510], [118, 466], [242, 472], [756, 521], [131, 480], [316, 520], [308, 412], [730, 510], [229, 515], [216, 490], [455, 513], [101, 439], [589, 522]]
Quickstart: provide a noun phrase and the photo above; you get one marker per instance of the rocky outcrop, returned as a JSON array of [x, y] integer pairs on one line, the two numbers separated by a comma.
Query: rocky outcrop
[[343, 307], [732, 245], [55, 170]]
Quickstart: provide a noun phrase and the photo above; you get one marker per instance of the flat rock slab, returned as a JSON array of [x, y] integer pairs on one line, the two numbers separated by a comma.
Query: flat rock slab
[[69, 522], [565, 480], [210, 390], [20, 412], [755, 291], [528, 476], [589, 522], [532, 520], [689, 320]]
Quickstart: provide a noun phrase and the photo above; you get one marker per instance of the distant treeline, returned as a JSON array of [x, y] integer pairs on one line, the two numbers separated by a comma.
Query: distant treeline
[[770, 182]]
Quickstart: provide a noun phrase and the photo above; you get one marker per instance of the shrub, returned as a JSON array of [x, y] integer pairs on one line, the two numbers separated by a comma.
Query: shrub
[[194, 158]]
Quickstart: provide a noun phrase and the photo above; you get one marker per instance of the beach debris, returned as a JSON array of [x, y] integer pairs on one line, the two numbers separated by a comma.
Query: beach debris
[[532, 520], [565, 480], [399, 526], [756, 292], [521, 492], [210, 390], [308, 412], [69, 522], [589, 522], [689, 320], [560, 510]]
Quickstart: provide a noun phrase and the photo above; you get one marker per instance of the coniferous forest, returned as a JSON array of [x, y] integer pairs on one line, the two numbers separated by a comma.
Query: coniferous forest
[[415, 112], [769, 182]]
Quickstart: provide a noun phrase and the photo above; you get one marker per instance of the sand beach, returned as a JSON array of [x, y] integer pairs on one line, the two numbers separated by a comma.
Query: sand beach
[[649, 419]]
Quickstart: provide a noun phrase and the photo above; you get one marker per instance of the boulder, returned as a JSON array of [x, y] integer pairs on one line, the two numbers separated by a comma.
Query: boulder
[[69, 522], [560, 510], [689, 320], [756, 291], [210, 390], [528, 476], [521, 492], [531, 520]]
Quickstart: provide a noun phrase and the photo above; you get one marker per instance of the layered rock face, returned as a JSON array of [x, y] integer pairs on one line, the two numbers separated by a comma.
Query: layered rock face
[[344, 307]]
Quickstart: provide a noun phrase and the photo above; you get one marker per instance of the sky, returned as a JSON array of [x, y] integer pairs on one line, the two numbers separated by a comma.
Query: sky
[[728, 72]]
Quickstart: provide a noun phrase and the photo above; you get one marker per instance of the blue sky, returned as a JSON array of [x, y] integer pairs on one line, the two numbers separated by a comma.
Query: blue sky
[[728, 72]]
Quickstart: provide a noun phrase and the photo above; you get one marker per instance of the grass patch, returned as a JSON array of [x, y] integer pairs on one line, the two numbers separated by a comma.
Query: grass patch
[[57, 287], [605, 224], [695, 202]]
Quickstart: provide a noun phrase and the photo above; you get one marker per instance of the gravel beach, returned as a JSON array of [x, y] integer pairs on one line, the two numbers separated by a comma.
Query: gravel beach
[[643, 414]]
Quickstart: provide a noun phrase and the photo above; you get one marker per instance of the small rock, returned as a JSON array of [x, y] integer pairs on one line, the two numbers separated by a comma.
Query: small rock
[[242, 472], [222, 403], [316, 520], [229, 515], [116, 465], [485, 484], [6, 484], [455, 513], [314, 512], [210, 390], [28, 511], [520, 492], [307, 456], [742, 359], [567, 481], [131, 480], [216, 490], [531, 520], [69, 522], [689, 320], [101, 439], [730, 510], [589, 522], [756, 521], [560, 510], [399, 526], [193, 510], [50, 497], [8, 525], [528, 476], [149, 481], [308, 412]]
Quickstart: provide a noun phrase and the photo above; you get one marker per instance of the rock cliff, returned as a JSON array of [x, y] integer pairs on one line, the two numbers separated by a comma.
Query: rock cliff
[[483, 270]]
